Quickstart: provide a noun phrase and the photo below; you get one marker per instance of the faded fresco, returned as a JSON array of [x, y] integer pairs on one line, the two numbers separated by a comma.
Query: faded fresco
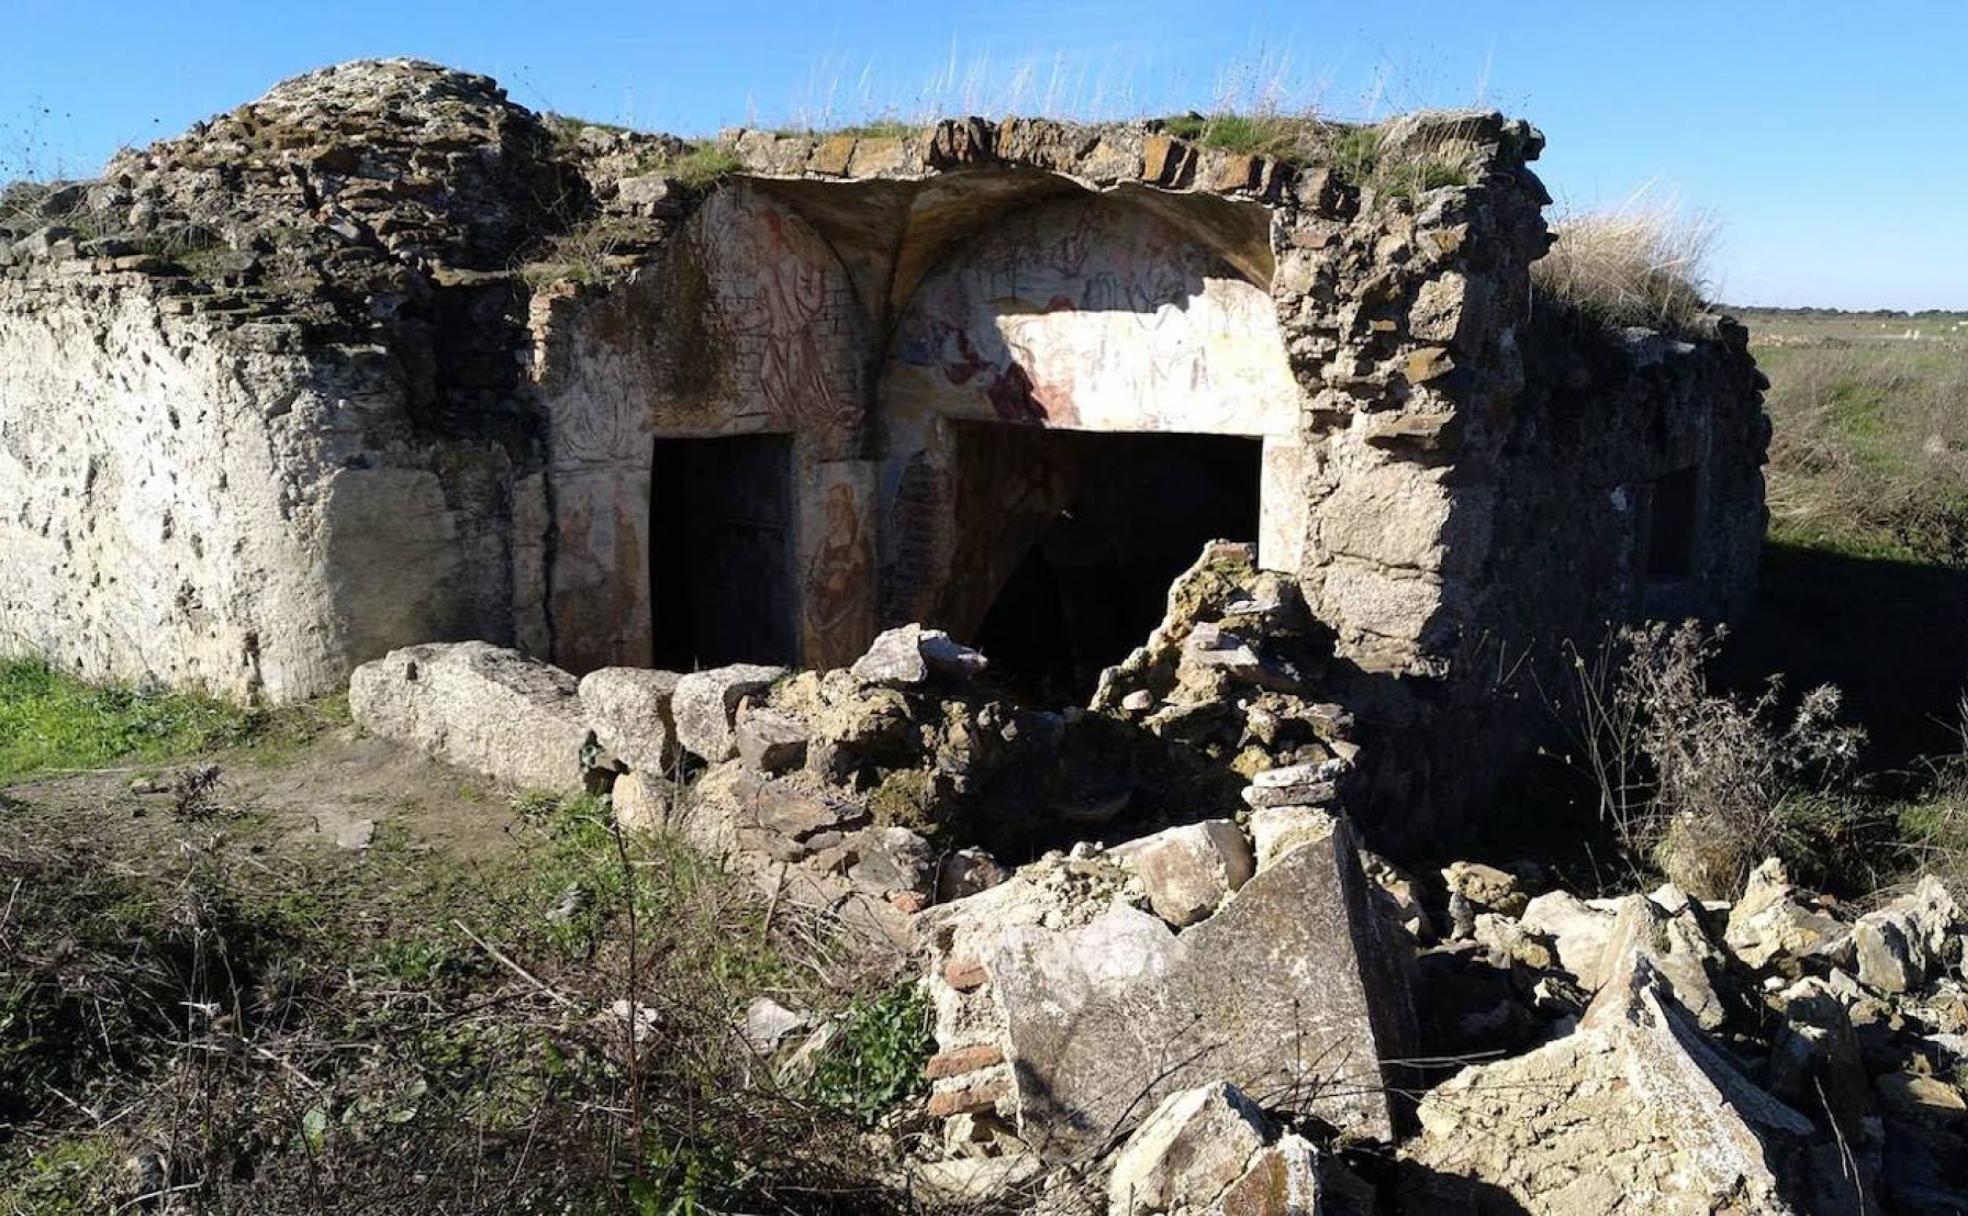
[[1098, 315], [783, 317], [774, 342], [838, 585]]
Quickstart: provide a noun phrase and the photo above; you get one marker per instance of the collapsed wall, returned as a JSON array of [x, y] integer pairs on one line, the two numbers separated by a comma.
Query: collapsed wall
[[383, 358]]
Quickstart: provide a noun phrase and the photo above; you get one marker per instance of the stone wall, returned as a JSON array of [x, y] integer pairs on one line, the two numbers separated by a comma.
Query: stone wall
[[201, 502], [384, 358]]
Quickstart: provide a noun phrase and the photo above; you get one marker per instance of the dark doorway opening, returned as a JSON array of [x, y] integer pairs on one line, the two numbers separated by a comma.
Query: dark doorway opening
[[721, 551], [1081, 534]]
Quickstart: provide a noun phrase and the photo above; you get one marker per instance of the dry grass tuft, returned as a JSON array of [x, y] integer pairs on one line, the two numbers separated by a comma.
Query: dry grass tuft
[[1642, 263]]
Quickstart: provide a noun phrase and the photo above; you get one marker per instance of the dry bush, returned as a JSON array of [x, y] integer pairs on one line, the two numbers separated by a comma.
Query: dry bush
[[1701, 782], [1642, 263], [1936, 824]]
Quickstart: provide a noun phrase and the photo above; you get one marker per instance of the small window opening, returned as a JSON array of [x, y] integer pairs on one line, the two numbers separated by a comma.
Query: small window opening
[[1671, 525]]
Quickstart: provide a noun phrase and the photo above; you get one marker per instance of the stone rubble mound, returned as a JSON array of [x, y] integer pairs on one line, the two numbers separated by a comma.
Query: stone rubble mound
[[341, 196], [1215, 1012]]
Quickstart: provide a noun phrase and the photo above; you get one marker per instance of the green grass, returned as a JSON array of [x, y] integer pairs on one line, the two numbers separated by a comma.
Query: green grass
[[703, 165], [51, 722], [1355, 152], [1869, 457]]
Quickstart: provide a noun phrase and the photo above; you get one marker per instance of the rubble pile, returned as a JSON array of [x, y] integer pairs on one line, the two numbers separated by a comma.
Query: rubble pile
[[1218, 1011]]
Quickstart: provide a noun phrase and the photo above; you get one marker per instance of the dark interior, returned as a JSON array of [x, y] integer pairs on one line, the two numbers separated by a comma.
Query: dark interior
[[1094, 538], [1671, 525], [720, 551]]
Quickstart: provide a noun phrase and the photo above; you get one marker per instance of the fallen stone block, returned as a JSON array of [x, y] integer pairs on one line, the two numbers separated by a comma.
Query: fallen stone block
[[705, 706], [891, 861], [1276, 830], [1186, 1153], [1293, 991], [1903, 944], [1815, 1061], [1634, 1111], [972, 1180], [1678, 950], [910, 655], [642, 801], [1485, 886], [629, 709], [770, 741], [1211, 648], [1769, 923], [1295, 785], [968, 872], [478, 706], [1283, 1180], [1189, 870], [1578, 930]]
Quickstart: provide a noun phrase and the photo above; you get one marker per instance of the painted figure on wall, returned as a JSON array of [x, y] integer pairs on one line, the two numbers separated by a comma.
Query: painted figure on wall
[[839, 599], [783, 299]]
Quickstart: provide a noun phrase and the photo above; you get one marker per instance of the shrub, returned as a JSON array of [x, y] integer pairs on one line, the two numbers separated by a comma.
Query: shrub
[[877, 1059], [1703, 783], [1637, 264]]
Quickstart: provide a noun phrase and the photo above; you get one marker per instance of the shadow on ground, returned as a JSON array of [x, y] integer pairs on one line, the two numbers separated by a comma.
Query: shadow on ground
[[1893, 635]]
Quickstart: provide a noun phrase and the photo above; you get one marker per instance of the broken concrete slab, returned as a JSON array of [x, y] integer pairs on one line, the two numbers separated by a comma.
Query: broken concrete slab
[[1293, 991], [1634, 1111], [705, 706], [1189, 870], [629, 709], [478, 706]]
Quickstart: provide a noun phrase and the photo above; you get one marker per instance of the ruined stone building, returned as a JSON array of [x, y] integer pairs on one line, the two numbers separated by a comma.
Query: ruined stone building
[[384, 358]]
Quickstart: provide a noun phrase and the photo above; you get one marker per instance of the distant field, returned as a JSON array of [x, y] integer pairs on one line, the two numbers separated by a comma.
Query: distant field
[[1865, 580], [1811, 328], [1870, 454]]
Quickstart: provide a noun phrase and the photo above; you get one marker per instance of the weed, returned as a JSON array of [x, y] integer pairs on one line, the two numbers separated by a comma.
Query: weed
[[877, 1059], [703, 165], [1703, 783], [400, 1031]]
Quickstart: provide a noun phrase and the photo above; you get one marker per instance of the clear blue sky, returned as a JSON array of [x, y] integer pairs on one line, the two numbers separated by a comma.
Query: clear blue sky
[[1826, 137]]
